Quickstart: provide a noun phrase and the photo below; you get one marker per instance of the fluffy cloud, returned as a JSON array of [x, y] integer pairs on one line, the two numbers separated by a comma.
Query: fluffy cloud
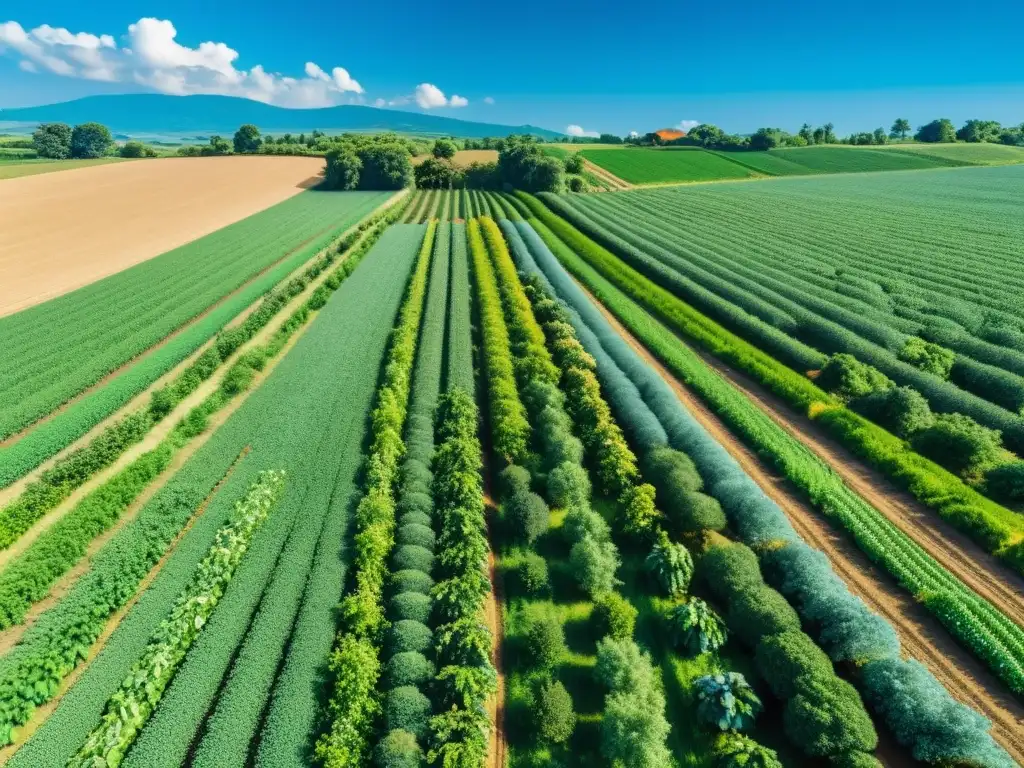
[[488, 100], [634, 134], [688, 125], [154, 58], [577, 130], [429, 96]]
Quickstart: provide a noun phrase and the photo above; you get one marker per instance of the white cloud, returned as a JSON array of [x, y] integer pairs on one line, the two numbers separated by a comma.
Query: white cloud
[[379, 102], [154, 58], [577, 130], [458, 101], [634, 134], [488, 100], [429, 96], [688, 125]]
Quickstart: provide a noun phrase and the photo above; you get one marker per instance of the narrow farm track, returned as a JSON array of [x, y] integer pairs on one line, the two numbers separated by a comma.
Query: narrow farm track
[[922, 636], [610, 178]]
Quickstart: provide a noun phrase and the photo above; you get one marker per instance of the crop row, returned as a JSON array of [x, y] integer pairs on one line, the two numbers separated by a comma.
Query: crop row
[[59, 348], [996, 527], [459, 365], [129, 709], [276, 426], [910, 701]]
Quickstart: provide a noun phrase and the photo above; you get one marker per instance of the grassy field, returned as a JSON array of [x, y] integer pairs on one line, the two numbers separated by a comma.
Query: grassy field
[[13, 168], [665, 166]]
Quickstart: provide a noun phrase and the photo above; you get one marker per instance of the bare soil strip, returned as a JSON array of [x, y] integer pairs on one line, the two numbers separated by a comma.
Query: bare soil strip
[[923, 637], [497, 752], [607, 176], [114, 216]]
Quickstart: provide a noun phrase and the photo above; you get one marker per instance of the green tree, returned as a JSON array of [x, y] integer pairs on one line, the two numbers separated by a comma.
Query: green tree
[[900, 127], [436, 173], [880, 136], [247, 139], [574, 163], [342, 171], [941, 130], [553, 714], [545, 641], [979, 130], [53, 140], [830, 134], [444, 148], [609, 138], [218, 146], [671, 565], [706, 135], [766, 138], [90, 140], [807, 133], [133, 149]]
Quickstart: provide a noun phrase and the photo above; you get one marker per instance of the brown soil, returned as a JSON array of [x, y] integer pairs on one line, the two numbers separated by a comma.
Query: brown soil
[[497, 753], [922, 636], [464, 157], [606, 176], [65, 230]]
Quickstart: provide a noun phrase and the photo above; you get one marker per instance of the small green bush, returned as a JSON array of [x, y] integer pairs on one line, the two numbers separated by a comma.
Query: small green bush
[[729, 569], [398, 749], [414, 518], [671, 565], [693, 511], [411, 581], [527, 515], [734, 750], [545, 641], [726, 701], [513, 480], [901, 410], [845, 376], [411, 606], [613, 616], [695, 628], [855, 760], [553, 714], [761, 611], [532, 573], [568, 485], [782, 659], [827, 718], [670, 471], [927, 356], [959, 443], [407, 709], [1006, 481], [409, 635], [415, 502], [415, 535], [408, 668], [412, 557]]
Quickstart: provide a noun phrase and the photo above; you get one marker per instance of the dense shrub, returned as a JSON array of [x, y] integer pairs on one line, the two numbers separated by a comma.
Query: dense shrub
[[593, 564], [407, 709], [855, 760], [568, 485], [826, 717], [670, 471], [1006, 481], [734, 750], [90, 140], [760, 611], [845, 376], [409, 635], [527, 516], [398, 749], [411, 581], [416, 502], [532, 573], [640, 515], [414, 518], [901, 410], [692, 512], [671, 566], [959, 443], [513, 480], [415, 535], [783, 658], [545, 641], [553, 715], [929, 357], [410, 606], [408, 668], [613, 616], [729, 569], [574, 163], [437, 173], [695, 628], [726, 701], [523, 165], [53, 140], [412, 557], [133, 149], [622, 666]]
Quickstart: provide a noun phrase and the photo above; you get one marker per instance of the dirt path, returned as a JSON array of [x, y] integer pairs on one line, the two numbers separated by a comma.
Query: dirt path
[[922, 636], [606, 176], [497, 753], [114, 216]]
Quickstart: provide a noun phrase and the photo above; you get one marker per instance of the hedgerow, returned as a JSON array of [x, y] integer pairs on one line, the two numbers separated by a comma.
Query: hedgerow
[[847, 629], [129, 709], [362, 618]]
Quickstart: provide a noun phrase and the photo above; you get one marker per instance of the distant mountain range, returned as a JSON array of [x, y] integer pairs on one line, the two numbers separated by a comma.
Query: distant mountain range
[[140, 114]]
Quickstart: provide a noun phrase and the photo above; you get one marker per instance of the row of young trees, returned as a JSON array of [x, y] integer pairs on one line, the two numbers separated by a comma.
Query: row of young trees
[[59, 141], [521, 164]]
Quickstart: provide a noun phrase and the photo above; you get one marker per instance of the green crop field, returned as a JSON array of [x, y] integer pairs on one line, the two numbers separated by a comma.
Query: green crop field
[[969, 154], [695, 476], [662, 166]]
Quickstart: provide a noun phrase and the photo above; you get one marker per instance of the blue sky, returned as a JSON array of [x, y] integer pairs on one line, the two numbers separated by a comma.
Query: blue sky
[[600, 66]]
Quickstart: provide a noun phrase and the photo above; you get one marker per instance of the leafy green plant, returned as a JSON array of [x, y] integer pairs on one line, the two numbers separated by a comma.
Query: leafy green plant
[[670, 564], [726, 701], [695, 627]]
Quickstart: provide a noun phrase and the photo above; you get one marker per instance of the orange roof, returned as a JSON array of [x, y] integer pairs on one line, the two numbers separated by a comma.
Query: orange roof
[[670, 134]]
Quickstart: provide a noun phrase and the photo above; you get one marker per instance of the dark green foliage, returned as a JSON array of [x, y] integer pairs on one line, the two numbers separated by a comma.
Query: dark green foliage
[[783, 658], [760, 611], [613, 616], [695, 628], [90, 140], [413, 518], [133, 149], [670, 471], [730, 569], [53, 140], [553, 714], [929, 357], [726, 701], [568, 485], [527, 515], [407, 709], [368, 162], [1006, 481], [523, 165], [444, 148], [847, 377], [416, 501], [593, 563], [670, 564], [532, 573], [734, 750], [901, 410], [247, 139], [408, 668], [411, 581], [959, 443], [410, 606], [343, 169], [415, 535], [827, 718], [436, 173], [545, 641], [398, 749], [692, 512], [409, 636], [855, 760], [941, 130], [412, 557], [574, 163], [513, 480]]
